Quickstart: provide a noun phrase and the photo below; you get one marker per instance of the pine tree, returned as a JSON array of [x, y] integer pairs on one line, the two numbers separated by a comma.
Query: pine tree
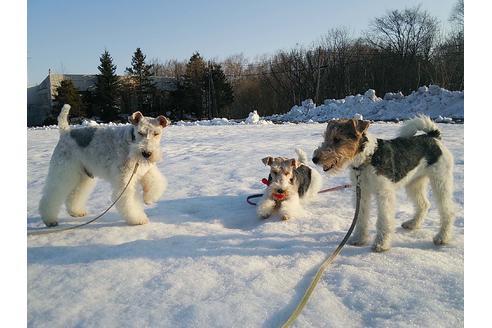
[[195, 86], [107, 88], [222, 91], [140, 73], [66, 93]]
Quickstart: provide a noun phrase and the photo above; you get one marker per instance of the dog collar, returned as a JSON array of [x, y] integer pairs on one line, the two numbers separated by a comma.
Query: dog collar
[[278, 196]]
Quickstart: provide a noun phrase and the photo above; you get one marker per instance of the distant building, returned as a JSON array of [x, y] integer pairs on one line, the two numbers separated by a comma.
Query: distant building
[[40, 97]]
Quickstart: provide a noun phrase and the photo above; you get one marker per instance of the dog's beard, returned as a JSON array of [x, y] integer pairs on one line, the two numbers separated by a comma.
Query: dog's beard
[[336, 166]]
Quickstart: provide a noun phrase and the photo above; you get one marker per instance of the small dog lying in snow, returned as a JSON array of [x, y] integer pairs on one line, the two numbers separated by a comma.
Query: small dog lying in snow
[[290, 183], [110, 153]]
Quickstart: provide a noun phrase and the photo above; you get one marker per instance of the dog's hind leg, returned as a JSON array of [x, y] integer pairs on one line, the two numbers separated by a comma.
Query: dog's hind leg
[[442, 189], [77, 199], [154, 184], [416, 191], [62, 178]]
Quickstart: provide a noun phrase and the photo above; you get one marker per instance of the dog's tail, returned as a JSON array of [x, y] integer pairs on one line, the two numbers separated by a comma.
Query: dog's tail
[[301, 156], [420, 123], [63, 125]]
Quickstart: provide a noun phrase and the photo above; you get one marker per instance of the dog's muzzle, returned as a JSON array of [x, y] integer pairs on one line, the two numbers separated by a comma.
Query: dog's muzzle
[[146, 154]]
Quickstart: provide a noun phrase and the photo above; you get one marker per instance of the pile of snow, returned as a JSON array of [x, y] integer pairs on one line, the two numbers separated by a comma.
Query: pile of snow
[[436, 102], [214, 121], [252, 119], [84, 123]]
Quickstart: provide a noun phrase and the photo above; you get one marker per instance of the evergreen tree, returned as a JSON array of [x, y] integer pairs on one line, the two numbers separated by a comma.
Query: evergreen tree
[[222, 92], [107, 88], [142, 84], [194, 86], [66, 93], [203, 91]]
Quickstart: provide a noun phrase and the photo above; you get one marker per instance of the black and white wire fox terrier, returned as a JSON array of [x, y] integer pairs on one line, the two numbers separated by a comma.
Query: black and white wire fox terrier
[[410, 161], [110, 153], [291, 184]]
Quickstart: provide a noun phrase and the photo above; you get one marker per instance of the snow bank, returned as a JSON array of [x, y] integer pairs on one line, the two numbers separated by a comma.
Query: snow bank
[[438, 103], [252, 119]]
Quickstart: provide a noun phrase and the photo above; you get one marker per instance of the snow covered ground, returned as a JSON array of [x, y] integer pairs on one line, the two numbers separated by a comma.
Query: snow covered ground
[[205, 260]]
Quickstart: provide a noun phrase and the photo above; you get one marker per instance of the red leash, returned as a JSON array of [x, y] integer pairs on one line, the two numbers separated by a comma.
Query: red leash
[[266, 182]]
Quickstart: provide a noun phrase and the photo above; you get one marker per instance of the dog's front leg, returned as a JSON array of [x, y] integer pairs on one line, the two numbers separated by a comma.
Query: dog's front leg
[[290, 208], [129, 206], [266, 206], [360, 235], [154, 184], [386, 219]]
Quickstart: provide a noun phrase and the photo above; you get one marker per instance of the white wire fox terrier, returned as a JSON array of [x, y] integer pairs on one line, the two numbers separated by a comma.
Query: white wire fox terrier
[[409, 161], [291, 184], [110, 153]]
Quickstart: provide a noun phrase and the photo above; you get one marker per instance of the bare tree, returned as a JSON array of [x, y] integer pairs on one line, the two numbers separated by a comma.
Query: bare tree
[[458, 14], [410, 32]]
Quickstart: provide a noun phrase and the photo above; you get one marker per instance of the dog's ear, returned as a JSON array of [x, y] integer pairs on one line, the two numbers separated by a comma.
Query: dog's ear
[[135, 118], [267, 160], [360, 126], [163, 121], [295, 163]]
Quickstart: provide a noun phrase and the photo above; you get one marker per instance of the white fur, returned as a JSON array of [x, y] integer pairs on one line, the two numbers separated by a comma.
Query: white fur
[[439, 174], [418, 123], [110, 155], [291, 207]]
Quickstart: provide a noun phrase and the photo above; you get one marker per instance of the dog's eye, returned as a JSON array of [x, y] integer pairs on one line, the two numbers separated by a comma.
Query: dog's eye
[[156, 134], [291, 180], [336, 140], [141, 133]]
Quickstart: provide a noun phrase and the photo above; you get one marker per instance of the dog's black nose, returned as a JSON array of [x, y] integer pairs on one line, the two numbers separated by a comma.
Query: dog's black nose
[[280, 191], [146, 154], [315, 160]]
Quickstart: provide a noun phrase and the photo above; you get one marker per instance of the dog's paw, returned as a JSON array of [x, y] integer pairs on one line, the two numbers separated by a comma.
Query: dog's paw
[[410, 224], [139, 221], [149, 198], [379, 248], [440, 239], [51, 224], [149, 201], [77, 213], [357, 241]]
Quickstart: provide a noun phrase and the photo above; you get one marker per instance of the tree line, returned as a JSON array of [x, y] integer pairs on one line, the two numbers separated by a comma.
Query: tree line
[[399, 51]]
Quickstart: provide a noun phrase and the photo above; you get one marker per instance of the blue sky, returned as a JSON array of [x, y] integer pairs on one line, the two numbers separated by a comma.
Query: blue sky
[[69, 36]]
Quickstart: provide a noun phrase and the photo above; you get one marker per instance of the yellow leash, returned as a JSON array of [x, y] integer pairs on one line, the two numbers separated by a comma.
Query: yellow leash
[[326, 263], [47, 231]]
